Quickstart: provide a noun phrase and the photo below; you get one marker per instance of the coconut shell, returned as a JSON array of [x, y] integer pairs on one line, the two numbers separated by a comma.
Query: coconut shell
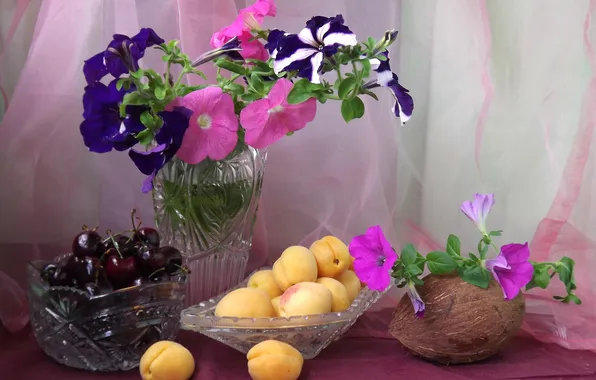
[[462, 323]]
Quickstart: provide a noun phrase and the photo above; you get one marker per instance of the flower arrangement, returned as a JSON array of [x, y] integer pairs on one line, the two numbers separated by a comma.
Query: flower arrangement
[[378, 265], [268, 85]]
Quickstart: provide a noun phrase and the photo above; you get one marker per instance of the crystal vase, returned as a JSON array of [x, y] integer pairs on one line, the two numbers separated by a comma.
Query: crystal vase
[[208, 211]]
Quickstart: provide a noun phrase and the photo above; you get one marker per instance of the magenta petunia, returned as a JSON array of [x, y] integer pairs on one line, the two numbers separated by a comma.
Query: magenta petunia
[[248, 18], [213, 126], [511, 268], [268, 120], [477, 210], [373, 258]]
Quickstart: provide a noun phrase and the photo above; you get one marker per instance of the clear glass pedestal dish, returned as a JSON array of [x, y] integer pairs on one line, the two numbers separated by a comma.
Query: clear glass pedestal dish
[[308, 334], [108, 332]]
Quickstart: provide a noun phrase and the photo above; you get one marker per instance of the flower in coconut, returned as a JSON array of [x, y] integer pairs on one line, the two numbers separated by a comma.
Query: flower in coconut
[[373, 258], [213, 129], [248, 19], [477, 210], [305, 51], [417, 302], [269, 119], [404, 104], [511, 268], [121, 56], [168, 140]]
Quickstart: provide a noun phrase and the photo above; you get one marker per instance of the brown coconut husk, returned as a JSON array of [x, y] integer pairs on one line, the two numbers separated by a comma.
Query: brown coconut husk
[[462, 323]]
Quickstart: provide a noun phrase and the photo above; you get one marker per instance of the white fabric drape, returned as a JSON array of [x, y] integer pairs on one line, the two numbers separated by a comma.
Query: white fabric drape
[[504, 93]]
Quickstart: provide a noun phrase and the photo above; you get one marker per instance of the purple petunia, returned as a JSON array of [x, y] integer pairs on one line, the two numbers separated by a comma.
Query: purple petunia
[[511, 268], [374, 258], [168, 140], [417, 302], [404, 104], [305, 51], [121, 56], [103, 129], [477, 210]]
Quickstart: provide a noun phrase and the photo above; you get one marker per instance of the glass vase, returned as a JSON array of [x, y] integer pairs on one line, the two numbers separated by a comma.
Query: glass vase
[[207, 211]]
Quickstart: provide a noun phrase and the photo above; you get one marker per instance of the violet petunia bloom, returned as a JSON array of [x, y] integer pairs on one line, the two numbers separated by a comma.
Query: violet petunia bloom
[[477, 210], [305, 51], [373, 258], [404, 104], [121, 56], [168, 140], [511, 268], [417, 302], [103, 129]]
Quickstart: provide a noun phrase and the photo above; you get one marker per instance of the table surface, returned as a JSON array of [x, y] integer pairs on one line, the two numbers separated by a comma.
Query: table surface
[[356, 356]]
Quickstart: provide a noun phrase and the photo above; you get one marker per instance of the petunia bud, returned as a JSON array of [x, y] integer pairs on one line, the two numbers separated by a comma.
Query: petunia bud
[[388, 38]]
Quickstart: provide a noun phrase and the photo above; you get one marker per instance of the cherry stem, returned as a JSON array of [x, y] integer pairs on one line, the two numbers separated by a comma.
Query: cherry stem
[[132, 219], [115, 243], [157, 271], [85, 228], [184, 269]]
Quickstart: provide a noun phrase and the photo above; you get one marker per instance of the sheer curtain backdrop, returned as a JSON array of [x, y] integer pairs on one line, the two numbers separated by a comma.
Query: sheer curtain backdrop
[[504, 90]]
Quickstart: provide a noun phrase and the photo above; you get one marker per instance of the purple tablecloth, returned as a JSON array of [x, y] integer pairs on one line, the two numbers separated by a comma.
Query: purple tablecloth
[[353, 357]]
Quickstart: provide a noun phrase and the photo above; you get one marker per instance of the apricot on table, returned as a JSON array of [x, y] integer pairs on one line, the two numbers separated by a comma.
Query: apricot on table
[[274, 360], [341, 300], [332, 256], [305, 298], [265, 281], [166, 360], [296, 264], [245, 302]]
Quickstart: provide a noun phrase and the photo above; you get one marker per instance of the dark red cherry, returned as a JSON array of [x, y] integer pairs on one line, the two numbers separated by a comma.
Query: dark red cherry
[[173, 259], [82, 269], [126, 245], [56, 275], [149, 260], [147, 236], [88, 243], [121, 271]]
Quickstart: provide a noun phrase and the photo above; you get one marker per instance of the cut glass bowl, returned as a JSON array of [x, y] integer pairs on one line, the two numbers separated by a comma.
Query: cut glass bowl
[[308, 334], [108, 332]]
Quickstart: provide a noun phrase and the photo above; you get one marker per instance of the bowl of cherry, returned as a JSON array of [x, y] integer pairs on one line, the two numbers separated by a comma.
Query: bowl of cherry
[[100, 307]]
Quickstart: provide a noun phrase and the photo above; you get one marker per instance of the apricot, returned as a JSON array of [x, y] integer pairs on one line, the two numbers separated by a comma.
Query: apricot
[[274, 360], [305, 298], [332, 256], [341, 300], [351, 282], [167, 360], [296, 264], [265, 281], [275, 304], [245, 302]]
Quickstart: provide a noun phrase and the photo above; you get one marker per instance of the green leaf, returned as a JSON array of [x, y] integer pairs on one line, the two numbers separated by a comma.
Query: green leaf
[[413, 270], [417, 281], [346, 86], [369, 93], [370, 42], [135, 99], [420, 261], [475, 275], [565, 270], [352, 109], [230, 66], [408, 255], [495, 233], [301, 91], [160, 93], [145, 137], [540, 279], [365, 68], [473, 257], [440, 263], [120, 83], [257, 83], [381, 57], [166, 57], [137, 74], [251, 96], [453, 245], [183, 90]]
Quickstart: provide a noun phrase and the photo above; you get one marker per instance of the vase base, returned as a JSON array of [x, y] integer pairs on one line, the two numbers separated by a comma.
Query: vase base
[[214, 274]]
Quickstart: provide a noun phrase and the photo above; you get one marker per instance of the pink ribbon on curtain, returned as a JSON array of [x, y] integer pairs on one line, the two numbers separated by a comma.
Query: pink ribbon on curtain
[[14, 24]]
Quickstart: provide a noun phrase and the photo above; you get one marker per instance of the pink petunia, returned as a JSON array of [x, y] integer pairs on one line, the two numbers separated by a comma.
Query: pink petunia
[[374, 258], [213, 126], [268, 120], [248, 18]]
